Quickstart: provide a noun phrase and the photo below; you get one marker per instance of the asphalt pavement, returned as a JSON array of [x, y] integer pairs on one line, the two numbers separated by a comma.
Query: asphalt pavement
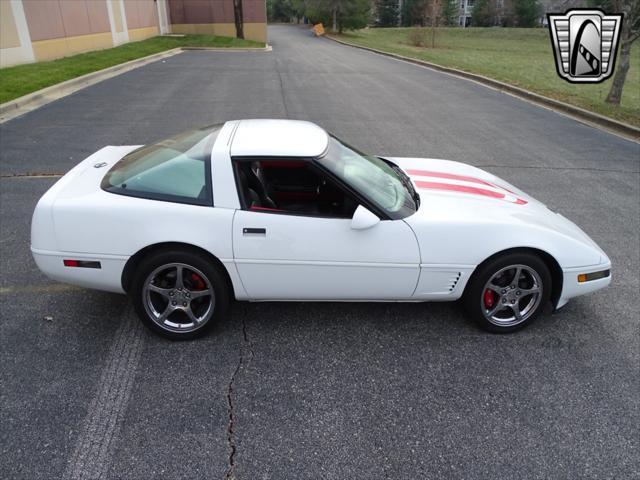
[[321, 390]]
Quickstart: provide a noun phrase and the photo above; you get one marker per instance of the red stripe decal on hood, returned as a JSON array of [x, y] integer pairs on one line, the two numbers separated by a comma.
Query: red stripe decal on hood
[[467, 189], [448, 176], [454, 176], [458, 188]]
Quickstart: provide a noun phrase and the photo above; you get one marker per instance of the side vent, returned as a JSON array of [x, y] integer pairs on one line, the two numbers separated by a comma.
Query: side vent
[[454, 281], [440, 282]]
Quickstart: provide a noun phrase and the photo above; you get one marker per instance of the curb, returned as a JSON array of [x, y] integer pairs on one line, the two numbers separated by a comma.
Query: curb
[[31, 101], [268, 48], [34, 100], [625, 130]]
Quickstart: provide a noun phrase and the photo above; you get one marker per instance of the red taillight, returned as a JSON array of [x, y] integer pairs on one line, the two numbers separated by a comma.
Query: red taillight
[[81, 263]]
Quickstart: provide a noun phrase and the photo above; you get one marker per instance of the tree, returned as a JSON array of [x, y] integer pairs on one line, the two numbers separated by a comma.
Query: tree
[[527, 12], [298, 8], [413, 13], [340, 14], [387, 13], [279, 10], [481, 15], [505, 14], [354, 15], [450, 12], [489, 13], [629, 33], [237, 17], [434, 11]]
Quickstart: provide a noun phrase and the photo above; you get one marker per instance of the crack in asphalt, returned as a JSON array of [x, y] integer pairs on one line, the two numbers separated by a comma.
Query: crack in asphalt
[[231, 434], [38, 289], [31, 175], [284, 99]]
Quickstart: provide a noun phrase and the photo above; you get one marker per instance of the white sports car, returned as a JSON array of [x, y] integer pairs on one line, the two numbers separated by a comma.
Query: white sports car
[[266, 210]]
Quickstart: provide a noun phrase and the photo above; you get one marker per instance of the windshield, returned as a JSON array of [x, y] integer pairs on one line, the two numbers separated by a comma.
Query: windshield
[[372, 177], [176, 169]]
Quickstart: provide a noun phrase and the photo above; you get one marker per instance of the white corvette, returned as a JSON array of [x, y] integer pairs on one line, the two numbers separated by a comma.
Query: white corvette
[[280, 210]]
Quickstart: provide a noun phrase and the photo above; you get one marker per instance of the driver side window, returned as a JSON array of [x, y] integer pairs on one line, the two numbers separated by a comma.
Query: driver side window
[[293, 187]]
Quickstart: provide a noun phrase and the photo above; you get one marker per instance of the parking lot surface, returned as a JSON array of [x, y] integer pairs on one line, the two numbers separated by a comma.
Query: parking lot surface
[[322, 390]]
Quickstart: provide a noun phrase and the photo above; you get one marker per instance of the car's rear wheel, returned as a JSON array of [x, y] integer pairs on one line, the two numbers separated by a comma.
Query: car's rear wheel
[[508, 293], [179, 294]]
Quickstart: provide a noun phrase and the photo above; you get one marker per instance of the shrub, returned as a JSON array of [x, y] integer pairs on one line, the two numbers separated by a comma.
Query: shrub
[[417, 37]]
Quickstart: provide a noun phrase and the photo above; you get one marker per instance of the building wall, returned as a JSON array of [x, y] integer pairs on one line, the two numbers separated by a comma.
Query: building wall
[[215, 17], [39, 30], [15, 44], [64, 27], [142, 19], [466, 10]]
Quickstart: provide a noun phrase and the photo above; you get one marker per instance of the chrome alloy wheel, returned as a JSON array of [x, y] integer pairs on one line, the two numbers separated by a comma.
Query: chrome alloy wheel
[[511, 295], [178, 297]]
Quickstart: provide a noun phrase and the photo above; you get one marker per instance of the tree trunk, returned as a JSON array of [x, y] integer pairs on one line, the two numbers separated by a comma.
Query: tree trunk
[[629, 33], [335, 19], [435, 13], [237, 16], [615, 94]]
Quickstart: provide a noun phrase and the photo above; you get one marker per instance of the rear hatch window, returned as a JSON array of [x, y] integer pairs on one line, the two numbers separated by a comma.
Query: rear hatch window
[[177, 169]]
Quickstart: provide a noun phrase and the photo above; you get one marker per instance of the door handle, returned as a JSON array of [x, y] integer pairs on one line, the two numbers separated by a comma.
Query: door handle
[[254, 231]]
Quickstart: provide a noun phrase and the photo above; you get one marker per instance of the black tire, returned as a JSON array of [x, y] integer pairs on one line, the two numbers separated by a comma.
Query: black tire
[[480, 301], [199, 276]]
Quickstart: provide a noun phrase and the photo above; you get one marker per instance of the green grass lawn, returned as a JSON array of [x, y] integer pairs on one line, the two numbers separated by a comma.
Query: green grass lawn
[[23, 79], [519, 56]]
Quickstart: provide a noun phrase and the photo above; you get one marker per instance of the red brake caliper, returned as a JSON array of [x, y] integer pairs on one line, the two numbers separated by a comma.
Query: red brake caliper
[[489, 298], [197, 281]]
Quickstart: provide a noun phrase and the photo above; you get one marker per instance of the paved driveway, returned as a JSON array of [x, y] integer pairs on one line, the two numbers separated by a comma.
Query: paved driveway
[[321, 390]]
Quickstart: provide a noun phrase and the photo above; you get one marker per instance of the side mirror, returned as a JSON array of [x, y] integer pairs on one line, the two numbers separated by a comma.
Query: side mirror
[[363, 219]]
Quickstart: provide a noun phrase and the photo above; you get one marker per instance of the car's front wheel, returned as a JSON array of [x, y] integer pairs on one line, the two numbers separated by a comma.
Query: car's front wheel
[[179, 294], [507, 293]]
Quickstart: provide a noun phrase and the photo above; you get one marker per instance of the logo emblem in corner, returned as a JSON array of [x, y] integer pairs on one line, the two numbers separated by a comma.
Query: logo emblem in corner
[[100, 165], [585, 44]]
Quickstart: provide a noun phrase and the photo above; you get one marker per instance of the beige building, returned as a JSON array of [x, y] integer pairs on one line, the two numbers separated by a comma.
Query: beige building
[[215, 17], [37, 30]]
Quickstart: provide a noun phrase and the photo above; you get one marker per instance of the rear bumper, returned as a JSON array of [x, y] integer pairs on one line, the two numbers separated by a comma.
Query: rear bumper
[[572, 288], [108, 277]]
